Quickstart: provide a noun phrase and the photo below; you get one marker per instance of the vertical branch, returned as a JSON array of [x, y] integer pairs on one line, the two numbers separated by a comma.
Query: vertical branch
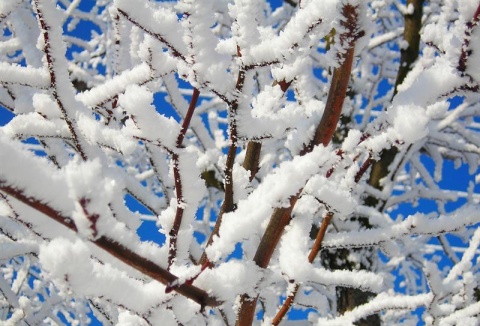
[[411, 34], [228, 204], [52, 68], [323, 135], [173, 234], [349, 298], [252, 158], [413, 23], [340, 79]]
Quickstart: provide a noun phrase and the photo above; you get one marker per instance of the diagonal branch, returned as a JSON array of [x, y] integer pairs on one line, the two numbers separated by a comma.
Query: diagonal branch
[[157, 36], [115, 249], [313, 253]]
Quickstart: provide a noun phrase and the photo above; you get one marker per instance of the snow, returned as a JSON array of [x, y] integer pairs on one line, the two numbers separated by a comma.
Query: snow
[[378, 304], [126, 318], [97, 95], [69, 264], [418, 223], [7, 7], [37, 77], [158, 21], [246, 222], [231, 279], [434, 82], [207, 66], [27, 33], [34, 124], [279, 48], [409, 122], [90, 189], [45, 105], [293, 246], [47, 181], [145, 122], [16, 249], [104, 159], [352, 140], [335, 195], [62, 257]]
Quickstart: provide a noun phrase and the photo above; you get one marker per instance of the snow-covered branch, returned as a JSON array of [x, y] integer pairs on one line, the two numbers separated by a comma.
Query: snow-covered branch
[[239, 162]]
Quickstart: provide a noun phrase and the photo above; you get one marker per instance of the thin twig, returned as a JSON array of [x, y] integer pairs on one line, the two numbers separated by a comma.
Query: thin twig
[[311, 257], [173, 234], [159, 37], [228, 204], [53, 79]]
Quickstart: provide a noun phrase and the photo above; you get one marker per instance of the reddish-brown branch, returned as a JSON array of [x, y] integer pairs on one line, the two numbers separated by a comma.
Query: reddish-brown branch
[[188, 117], [53, 79], [339, 84], [323, 135], [173, 234], [335, 99], [321, 234], [363, 169], [177, 222], [286, 305], [115, 249], [228, 204], [92, 217], [279, 220]]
